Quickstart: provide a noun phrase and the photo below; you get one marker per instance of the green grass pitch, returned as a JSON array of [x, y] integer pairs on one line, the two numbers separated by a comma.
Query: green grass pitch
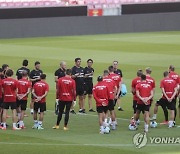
[[133, 51]]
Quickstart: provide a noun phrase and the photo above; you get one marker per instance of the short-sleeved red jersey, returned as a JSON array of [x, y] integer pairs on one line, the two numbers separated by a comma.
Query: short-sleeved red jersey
[[23, 85], [135, 81], [40, 88], [151, 81], [9, 86], [0, 88], [101, 94], [169, 85], [174, 76], [66, 89], [144, 89], [111, 86], [116, 78]]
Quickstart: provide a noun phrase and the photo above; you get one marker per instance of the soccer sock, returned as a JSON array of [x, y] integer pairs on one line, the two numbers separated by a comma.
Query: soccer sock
[[154, 116], [14, 124], [40, 123], [146, 126], [21, 123], [105, 120], [19, 116], [102, 128], [170, 123], [35, 122], [110, 120], [32, 110], [4, 124]]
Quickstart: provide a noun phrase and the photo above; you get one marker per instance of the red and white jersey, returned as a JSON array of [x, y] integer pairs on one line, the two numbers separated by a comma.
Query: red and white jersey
[[150, 81], [174, 76], [0, 88], [144, 89], [116, 78], [9, 86], [66, 89], [111, 86], [169, 85], [101, 94], [135, 81], [40, 88], [23, 85]]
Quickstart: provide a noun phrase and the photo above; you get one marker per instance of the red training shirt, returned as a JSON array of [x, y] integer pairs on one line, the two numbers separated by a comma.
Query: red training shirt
[[101, 93], [40, 88], [23, 85], [135, 81], [111, 87], [66, 89], [169, 85], [144, 89], [150, 81], [9, 86], [116, 78]]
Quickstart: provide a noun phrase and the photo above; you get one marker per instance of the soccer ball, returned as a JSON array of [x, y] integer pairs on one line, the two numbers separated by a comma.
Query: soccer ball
[[153, 124], [106, 130], [132, 127]]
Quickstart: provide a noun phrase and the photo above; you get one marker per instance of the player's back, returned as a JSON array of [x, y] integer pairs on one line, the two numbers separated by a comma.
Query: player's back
[[174, 76], [144, 89], [40, 88], [168, 84], [9, 86], [116, 78], [23, 85], [66, 86], [150, 81]]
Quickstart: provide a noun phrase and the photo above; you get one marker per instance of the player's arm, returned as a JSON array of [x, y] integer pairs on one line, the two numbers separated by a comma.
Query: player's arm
[[164, 93], [133, 90], [150, 97], [56, 79], [175, 93], [95, 96], [119, 89], [27, 93]]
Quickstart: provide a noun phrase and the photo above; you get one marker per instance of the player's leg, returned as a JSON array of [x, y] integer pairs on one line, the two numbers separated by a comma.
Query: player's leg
[[36, 107], [5, 110], [112, 112], [81, 104], [14, 114], [66, 119], [90, 103], [101, 122], [171, 118], [146, 121], [179, 107], [61, 110], [23, 109], [32, 105], [56, 102]]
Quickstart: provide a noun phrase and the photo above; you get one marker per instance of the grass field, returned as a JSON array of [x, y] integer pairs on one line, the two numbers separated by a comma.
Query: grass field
[[133, 51]]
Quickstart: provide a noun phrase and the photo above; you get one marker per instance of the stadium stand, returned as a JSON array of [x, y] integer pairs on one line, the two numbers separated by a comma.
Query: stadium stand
[[90, 3]]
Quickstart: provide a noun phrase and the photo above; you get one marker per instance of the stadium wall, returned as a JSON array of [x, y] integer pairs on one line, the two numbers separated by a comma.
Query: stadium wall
[[64, 26]]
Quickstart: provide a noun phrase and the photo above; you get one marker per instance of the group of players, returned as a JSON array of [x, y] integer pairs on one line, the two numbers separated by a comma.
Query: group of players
[[143, 90], [78, 83]]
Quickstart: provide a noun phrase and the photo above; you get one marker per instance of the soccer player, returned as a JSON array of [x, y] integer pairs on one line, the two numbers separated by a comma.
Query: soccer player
[[9, 87], [40, 91], [118, 81], [35, 77], [119, 72], [5, 67], [23, 68], [144, 92], [23, 89], [101, 96], [112, 88], [89, 71], [173, 75], [59, 73], [66, 94], [135, 81], [78, 76], [168, 100]]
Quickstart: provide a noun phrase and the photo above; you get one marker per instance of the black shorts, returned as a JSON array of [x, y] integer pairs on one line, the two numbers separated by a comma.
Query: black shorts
[[7, 105], [1, 103], [164, 103], [80, 90], [41, 106], [142, 107], [111, 105], [134, 105], [22, 104], [101, 109], [88, 88]]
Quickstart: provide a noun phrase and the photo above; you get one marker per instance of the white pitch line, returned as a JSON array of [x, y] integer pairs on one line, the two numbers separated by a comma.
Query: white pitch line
[[96, 145]]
